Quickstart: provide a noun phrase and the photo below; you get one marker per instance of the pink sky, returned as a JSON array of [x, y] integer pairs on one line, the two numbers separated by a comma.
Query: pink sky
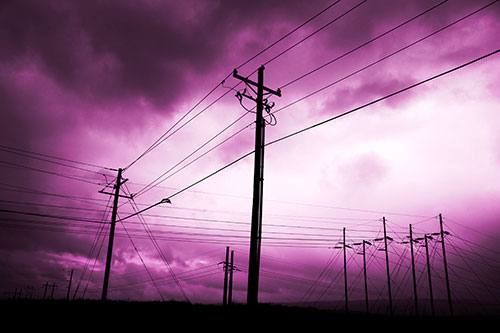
[[100, 82]]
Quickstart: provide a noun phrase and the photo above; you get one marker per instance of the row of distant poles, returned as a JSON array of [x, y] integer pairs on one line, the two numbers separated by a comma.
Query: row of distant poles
[[411, 241], [48, 290]]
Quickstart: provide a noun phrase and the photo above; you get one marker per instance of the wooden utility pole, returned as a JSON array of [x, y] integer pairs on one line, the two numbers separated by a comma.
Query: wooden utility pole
[[258, 184], [388, 270], [413, 272], [445, 264], [119, 182], [53, 287], [231, 269], [431, 295], [345, 273], [69, 285], [226, 270], [45, 286], [364, 273]]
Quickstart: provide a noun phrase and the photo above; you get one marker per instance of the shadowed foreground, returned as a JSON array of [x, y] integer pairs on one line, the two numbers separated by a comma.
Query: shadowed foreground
[[165, 315]]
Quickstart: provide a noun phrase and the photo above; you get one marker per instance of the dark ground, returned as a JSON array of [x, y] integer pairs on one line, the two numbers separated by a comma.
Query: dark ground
[[178, 316]]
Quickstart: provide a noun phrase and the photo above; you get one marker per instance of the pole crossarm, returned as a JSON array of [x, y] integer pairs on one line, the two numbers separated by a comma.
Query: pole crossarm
[[120, 195], [253, 83]]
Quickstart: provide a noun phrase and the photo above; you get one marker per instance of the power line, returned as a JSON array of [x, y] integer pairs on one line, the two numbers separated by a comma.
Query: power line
[[159, 141], [51, 216], [384, 58], [288, 34], [48, 172], [23, 153], [152, 184], [324, 122], [163, 137], [166, 135], [316, 31], [142, 261], [158, 248], [362, 45], [384, 97]]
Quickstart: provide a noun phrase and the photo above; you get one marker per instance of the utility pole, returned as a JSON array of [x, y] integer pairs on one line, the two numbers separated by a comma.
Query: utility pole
[[54, 286], [231, 267], [429, 274], [413, 272], [226, 270], [69, 285], [445, 264], [364, 273], [345, 273], [258, 184], [46, 285], [109, 256], [388, 270]]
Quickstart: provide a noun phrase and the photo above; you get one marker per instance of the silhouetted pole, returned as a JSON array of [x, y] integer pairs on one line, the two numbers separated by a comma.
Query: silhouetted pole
[[226, 269], [388, 270], [429, 274], [46, 285], [231, 267], [111, 235], [364, 273], [258, 185], [413, 272], [69, 285], [345, 274], [445, 265], [54, 286]]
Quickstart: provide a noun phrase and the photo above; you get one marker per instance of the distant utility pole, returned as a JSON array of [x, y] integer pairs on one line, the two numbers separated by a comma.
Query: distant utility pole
[[45, 286], [431, 295], [231, 269], [345, 272], [364, 273], [227, 295], [69, 285], [53, 287], [388, 270], [258, 183], [445, 263], [226, 271], [119, 182], [413, 272]]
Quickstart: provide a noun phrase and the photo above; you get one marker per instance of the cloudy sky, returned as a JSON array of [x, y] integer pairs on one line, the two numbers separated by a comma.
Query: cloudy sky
[[86, 87]]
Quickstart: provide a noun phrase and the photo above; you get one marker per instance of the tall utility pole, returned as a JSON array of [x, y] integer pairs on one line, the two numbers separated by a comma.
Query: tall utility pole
[[345, 273], [69, 285], [445, 264], [413, 272], [226, 270], [230, 292], [426, 237], [119, 182], [388, 270], [258, 183]]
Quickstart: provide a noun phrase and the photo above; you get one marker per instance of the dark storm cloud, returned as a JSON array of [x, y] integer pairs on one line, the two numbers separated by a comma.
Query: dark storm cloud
[[112, 50]]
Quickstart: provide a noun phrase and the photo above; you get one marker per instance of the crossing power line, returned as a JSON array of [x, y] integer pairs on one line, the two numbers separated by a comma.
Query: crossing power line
[[170, 131], [293, 134]]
